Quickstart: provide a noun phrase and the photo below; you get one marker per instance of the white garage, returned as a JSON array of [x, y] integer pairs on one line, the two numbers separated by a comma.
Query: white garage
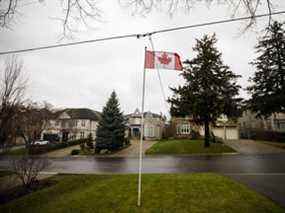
[[231, 133]]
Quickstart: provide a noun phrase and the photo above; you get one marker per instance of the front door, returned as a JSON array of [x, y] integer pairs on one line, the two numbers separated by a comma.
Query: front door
[[136, 132], [65, 136]]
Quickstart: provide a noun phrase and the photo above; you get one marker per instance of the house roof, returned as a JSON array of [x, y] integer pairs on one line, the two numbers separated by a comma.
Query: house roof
[[137, 114], [80, 113]]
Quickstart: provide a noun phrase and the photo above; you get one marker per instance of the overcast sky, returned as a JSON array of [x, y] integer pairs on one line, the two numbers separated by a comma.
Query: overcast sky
[[85, 75]]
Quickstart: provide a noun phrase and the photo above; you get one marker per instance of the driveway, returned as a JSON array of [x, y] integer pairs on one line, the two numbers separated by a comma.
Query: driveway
[[133, 149], [252, 147]]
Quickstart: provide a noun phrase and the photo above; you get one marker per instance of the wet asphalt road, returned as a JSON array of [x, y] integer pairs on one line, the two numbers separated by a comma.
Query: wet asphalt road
[[263, 173]]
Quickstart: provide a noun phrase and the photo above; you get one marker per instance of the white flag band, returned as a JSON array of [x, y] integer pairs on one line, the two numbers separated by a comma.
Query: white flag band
[[162, 60]]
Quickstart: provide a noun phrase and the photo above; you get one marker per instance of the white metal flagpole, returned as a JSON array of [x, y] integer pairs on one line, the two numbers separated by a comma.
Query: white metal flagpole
[[141, 136]]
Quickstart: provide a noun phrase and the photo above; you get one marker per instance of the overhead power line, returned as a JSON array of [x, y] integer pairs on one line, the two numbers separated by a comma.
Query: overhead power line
[[140, 35]]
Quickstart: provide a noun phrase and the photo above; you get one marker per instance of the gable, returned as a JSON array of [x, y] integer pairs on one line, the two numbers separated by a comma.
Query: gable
[[64, 115]]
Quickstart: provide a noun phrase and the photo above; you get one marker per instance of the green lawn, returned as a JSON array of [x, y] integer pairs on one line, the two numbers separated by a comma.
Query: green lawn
[[187, 147], [20, 151], [161, 193]]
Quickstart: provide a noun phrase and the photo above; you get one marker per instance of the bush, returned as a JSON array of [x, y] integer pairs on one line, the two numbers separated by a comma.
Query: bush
[[37, 149], [194, 134], [82, 146], [127, 141], [75, 152], [256, 134], [40, 149], [90, 144]]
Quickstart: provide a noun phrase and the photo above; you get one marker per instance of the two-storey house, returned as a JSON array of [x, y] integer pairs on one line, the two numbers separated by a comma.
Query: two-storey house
[[72, 123], [154, 125]]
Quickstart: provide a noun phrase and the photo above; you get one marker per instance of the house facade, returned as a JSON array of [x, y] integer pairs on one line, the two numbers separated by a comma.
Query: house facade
[[249, 121], [72, 124], [184, 127], [154, 125]]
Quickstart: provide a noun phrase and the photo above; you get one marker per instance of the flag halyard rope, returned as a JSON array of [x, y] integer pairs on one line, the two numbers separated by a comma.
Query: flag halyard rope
[[158, 75]]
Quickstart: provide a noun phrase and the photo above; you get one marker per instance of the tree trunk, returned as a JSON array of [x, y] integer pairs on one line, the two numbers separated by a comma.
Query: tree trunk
[[207, 134]]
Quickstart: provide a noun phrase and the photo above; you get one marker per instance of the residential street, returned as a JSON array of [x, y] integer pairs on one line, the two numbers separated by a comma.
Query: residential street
[[265, 173]]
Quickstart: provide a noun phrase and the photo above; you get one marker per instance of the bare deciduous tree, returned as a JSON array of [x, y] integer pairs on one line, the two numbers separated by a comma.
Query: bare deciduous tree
[[77, 13], [27, 169], [249, 7], [33, 119], [12, 90]]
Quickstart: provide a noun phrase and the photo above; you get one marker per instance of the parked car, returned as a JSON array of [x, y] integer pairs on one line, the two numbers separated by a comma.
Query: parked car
[[41, 142]]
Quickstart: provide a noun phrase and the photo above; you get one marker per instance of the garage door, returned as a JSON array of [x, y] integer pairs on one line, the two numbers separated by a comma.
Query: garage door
[[232, 133]]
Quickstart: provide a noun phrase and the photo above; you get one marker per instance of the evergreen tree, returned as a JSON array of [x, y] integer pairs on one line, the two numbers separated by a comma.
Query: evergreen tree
[[268, 89], [210, 89], [111, 129]]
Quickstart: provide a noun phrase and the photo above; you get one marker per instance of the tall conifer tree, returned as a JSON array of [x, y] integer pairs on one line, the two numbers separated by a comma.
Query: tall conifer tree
[[210, 89], [268, 88], [111, 129]]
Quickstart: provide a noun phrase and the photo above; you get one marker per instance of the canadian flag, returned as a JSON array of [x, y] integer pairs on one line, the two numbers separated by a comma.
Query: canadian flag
[[162, 60]]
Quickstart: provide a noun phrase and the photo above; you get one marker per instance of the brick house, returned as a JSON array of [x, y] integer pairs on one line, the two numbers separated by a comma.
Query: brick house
[[183, 127]]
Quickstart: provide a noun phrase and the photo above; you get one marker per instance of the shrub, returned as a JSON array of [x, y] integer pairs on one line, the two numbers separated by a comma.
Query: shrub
[[28, 168], [194, 134], [82, 146], [37, 149], [127, 141], [89, 142], [75, 152], [40, 149], [257, 134]]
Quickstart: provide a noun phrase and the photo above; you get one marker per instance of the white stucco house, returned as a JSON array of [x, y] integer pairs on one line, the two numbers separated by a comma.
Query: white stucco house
[[224, 128], [72, 124], [154, 125]]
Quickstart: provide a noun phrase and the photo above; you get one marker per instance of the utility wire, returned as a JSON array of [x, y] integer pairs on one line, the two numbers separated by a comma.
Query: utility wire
[[140, 35]]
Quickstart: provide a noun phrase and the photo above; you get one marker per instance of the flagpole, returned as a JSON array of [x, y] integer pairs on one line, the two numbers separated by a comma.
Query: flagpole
[[141, 136]]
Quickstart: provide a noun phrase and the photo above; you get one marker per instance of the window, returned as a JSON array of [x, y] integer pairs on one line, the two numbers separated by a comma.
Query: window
[[82, 123], [151, 131], [183, 129]]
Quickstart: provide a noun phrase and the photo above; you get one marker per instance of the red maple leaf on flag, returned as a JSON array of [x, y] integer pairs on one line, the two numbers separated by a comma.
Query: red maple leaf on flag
[[164, 59]]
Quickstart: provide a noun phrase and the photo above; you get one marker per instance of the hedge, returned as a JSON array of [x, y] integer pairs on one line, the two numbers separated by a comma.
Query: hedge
[[40, 149], [263, 135]]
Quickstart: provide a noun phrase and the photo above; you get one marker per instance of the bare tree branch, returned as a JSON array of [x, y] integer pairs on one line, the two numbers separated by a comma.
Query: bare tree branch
[[12, 91], [80, 14], [27, 169], [7, 11], [249, 7], [33, 119]]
